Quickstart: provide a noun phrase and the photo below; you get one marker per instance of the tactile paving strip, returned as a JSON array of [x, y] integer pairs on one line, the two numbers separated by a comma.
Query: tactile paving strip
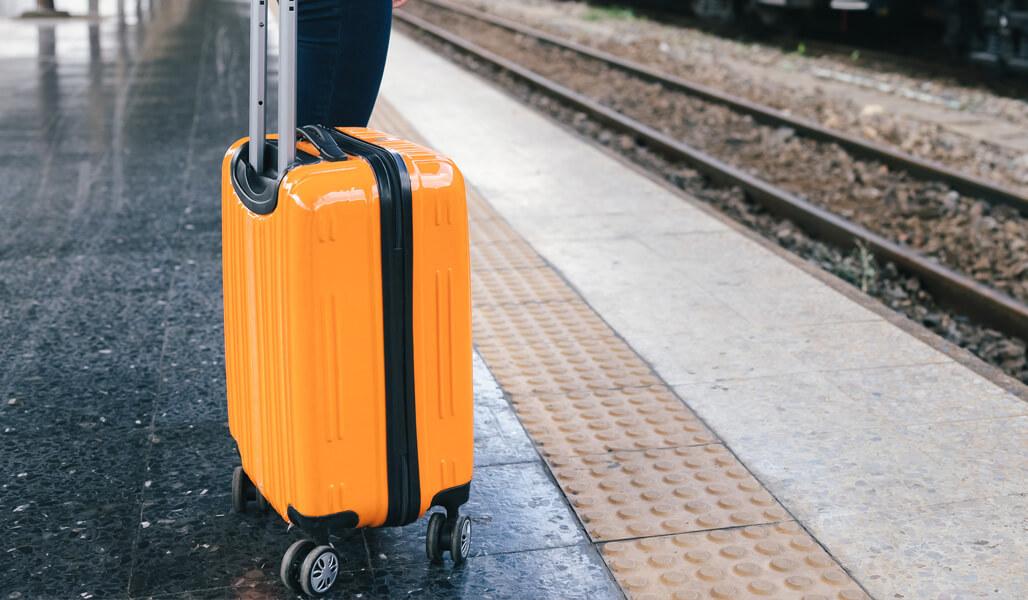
[[555, 347], [496, 256], [619, 419], [761, 561], [636, 463], [657, 492], [519, 286]]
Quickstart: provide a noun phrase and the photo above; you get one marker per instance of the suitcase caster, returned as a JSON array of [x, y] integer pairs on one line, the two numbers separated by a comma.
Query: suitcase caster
[[244, 491], [446, 534], [309, 569]]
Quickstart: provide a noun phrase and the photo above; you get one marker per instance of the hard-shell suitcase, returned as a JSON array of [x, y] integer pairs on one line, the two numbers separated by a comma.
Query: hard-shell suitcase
[[347, 328]]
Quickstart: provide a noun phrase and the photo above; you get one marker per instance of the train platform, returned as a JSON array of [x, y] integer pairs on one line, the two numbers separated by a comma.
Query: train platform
[[666, 405]]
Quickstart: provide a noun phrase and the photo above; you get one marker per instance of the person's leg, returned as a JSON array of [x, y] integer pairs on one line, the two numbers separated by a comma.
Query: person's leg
[[341, 55]]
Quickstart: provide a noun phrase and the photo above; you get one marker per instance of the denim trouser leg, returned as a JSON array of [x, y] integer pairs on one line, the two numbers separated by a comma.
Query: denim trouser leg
[[341, 55]]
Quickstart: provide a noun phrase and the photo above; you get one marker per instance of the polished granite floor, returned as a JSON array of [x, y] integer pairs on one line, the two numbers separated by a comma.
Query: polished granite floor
[[115, 452]]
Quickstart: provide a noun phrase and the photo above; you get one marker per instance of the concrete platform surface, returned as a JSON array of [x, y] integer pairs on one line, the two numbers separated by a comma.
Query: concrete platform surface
[[910, 468]]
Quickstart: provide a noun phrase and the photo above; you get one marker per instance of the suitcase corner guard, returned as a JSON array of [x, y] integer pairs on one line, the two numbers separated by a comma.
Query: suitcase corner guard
[[259, 191], [452, 498], [320, 528]]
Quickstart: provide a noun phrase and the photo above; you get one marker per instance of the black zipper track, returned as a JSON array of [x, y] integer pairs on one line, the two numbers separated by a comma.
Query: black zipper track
[[395, 202]]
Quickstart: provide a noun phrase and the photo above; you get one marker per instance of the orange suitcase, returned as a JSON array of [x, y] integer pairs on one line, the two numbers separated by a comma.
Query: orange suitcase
[[347, 329]]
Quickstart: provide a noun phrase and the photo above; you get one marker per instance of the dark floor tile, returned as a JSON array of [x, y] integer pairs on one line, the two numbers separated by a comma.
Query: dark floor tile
[[499, 438], [575, 572], [191, 460], [44, 277], [95, 329], [259, 585], [78, 548], [198, 543], [487, 391], [512, 508], [193, 376], [71, 463]]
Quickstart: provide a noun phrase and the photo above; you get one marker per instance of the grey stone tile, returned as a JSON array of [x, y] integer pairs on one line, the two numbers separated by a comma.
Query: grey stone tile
[[920, 554], [684, 359], [682, 218], [813, 303], [862, 345], [780, 406], [838, 473], [926, 394]]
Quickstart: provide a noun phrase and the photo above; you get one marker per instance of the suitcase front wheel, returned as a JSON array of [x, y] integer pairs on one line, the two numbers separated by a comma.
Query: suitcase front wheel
[[319, 571], [309, 569], [453, 535]]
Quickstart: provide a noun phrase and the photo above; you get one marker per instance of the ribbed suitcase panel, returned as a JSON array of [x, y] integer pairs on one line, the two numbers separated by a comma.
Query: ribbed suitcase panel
[[442, 316], [349, 395], [303, 328], [256, 277]]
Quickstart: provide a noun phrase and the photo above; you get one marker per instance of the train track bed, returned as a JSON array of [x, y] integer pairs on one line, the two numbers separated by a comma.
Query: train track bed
[[967, 127], [976, 238]]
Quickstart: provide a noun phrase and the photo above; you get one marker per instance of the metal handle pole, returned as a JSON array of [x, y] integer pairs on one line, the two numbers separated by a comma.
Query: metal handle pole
[[258, 85], [286, 85]]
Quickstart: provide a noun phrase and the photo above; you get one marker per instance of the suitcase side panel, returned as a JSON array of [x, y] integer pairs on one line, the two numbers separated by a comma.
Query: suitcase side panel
[[442, 327], [442, 316], [256, 250], [348, 466], [303, 343]]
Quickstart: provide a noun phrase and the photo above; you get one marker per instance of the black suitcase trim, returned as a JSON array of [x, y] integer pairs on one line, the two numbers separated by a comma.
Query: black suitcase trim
[[395, 202], [453, 498], [321, 528], [259, 191]]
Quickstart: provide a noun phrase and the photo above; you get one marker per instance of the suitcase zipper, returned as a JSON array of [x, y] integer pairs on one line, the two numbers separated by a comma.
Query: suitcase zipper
[[395, 204]]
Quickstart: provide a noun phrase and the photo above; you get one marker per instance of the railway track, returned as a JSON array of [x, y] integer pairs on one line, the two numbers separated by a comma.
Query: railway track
[[964, 183], [955, 290]]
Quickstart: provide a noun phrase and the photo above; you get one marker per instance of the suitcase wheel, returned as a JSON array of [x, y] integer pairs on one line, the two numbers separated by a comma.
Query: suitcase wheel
[[292, 561], [432, 546], [319, 571], [244, 491], [451, 535], [309, 569]]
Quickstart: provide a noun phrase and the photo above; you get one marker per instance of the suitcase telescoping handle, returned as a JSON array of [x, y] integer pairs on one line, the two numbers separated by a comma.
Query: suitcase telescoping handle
[[286, 82]]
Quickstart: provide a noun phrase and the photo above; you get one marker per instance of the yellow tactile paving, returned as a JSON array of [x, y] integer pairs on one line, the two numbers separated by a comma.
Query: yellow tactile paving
[[519, 286], [486, 229], [761, 561], [681, 517], [658, 492], [495, 256], [618, 419], [555, 347]]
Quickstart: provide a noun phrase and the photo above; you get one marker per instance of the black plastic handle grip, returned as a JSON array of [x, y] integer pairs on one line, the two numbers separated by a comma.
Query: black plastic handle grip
[[321, 138]]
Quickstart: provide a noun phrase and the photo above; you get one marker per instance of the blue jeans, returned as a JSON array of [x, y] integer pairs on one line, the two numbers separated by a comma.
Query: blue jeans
[[340, 58]]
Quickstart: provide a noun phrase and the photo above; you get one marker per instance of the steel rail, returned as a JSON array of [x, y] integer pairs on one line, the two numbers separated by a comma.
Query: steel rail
[[965, 183], [953, 289]]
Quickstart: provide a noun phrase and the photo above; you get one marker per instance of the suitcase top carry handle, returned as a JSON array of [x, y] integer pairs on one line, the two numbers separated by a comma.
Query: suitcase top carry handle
[[286, 80], [323, 140]]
